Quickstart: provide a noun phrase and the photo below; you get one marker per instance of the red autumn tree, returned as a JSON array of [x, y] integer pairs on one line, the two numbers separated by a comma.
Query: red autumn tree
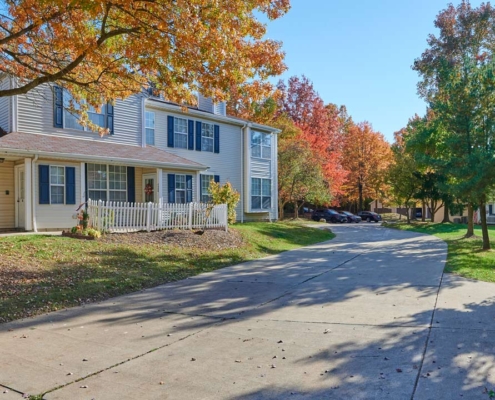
[[319, 125]]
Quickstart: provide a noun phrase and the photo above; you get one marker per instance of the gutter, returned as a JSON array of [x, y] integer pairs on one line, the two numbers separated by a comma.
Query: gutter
[[206, 115]]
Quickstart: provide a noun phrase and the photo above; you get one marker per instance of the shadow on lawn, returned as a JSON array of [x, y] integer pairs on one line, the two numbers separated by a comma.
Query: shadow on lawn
[[377, 355]]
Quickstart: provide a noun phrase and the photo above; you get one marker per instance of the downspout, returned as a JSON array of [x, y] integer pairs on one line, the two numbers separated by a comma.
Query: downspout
[[33, 195], [243, 158]]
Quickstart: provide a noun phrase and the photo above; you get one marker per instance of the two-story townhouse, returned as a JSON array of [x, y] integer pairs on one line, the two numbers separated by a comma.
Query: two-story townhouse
[[156, 150]]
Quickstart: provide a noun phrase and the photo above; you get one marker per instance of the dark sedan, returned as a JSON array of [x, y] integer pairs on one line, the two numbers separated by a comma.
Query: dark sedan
[[328, 215], [370, 216], [351, 217]]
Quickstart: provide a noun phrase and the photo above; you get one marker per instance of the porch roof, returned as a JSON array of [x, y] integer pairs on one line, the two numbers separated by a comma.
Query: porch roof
[[28, 144]]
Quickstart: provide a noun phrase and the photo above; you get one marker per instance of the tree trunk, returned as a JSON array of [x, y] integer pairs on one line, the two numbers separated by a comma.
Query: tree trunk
[[360, 187], [423, 211], [281, 206], [484, 226], [433, 210], [446, 217], [470, 229], [407, 214]]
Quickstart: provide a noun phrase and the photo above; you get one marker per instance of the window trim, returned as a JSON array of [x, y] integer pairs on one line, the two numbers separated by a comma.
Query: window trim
[[146, 127], [261, 145], [261, 195], [62, 185], [107, 189], [176, 132]]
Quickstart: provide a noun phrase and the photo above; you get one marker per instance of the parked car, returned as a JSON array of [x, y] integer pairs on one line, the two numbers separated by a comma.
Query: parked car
[[370, 216], [351, 217], [328, 215]]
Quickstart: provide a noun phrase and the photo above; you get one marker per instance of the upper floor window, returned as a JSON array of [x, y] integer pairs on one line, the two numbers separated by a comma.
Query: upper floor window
[[261, 145], [180, 133], [207, 135], [66, 113], [150, 127]]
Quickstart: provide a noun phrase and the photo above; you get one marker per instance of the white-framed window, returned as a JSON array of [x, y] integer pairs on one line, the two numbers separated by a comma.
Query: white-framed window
[[261, 194], [205, 184], [207, 135], [57, 184], [180, 189], [107, 182], [71, 118], [261, 145], [180, 133], [149, 126]]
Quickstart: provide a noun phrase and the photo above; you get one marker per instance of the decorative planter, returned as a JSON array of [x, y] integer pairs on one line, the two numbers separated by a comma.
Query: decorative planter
[[77, 236]]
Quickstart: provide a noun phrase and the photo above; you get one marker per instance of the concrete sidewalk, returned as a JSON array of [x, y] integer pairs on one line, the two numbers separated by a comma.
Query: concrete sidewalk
[[368, 315]]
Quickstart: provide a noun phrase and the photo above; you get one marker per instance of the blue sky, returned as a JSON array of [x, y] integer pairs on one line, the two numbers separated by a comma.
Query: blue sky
[[359, 53]]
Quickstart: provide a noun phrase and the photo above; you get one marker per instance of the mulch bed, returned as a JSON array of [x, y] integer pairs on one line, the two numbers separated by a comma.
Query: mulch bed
[[209, 240]]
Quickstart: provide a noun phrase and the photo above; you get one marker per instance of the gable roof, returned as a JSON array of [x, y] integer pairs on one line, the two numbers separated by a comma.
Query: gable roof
[[18, 143]]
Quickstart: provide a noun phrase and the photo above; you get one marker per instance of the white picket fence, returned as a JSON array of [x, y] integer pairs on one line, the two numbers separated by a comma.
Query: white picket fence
[[119, 217]]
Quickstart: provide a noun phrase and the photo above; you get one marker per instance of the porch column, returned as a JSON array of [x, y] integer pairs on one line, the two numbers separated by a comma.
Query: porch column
[[83, 183], [198, 187], [28, 195], [159, 183]]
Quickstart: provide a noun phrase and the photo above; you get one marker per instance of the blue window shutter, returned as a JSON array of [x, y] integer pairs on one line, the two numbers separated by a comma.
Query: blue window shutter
[[170, 131], [216, 144], [44, 183], [70, 185], [190, 135], [189, 188], [58, 107], [216, 178], [131, 184], [110, 119], [171, 188], [198, 135]]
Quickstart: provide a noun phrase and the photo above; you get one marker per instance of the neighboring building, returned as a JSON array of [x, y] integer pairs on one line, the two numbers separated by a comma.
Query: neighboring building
[[49, 164]]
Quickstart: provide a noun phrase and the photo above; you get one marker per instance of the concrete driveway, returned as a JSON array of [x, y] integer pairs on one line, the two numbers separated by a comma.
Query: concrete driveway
[[369, 315]]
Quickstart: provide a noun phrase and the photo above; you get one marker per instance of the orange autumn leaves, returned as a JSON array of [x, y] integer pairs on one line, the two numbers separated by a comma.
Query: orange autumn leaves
[[106, 50]]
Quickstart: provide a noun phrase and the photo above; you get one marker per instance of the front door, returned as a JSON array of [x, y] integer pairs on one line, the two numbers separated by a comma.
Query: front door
[[149, 188], [20, 189]]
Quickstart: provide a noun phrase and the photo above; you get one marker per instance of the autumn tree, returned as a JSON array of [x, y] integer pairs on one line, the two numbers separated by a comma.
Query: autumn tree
[[319, 127], [458, 83], [366, 156], [103, 50]]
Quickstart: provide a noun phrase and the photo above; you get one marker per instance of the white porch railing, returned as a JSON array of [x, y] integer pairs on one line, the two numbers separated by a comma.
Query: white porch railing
[[119, 217]]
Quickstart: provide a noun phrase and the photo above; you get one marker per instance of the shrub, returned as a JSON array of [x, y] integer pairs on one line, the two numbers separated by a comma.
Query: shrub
[[225, 194], [93, 233]]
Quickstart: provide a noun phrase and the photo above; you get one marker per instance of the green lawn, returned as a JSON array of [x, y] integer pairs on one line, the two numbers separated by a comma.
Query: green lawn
[[40, 274], [465, 257]]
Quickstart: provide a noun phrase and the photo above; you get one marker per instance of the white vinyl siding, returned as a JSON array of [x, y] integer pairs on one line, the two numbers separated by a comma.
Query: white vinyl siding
[[35, 115], [56, 216], [5, 107], [180, 133]]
